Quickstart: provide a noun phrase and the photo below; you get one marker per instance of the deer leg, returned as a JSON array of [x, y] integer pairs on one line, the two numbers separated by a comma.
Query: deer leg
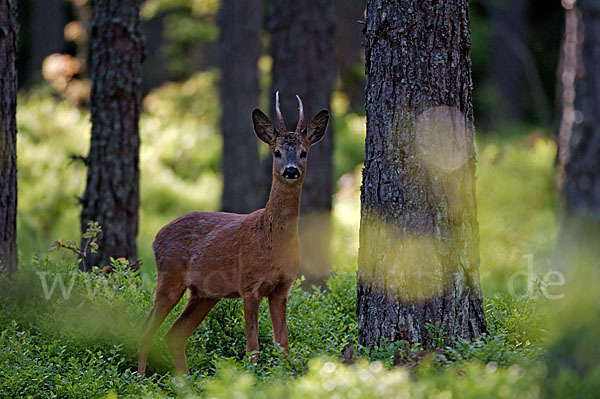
[[166, 298], [277, 309], [251, 317], [194, 313]]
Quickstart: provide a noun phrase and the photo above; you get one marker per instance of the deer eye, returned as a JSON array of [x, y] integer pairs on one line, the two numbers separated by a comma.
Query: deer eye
[[303, 154], [277, 154]]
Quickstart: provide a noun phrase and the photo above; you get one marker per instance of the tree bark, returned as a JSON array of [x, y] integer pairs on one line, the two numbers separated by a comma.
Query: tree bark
[[8, 135], [581, 186], [579, 138], [419, 242], [112, 195], [303, 64], [569, 69], [239, 50], [577, 253]]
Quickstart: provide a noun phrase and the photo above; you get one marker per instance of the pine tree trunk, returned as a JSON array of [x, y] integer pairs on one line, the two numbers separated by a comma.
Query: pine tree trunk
[[569, 69], [581, 186], [579, 138], [8, 135], [575, 332], [303, 64], [112, 195], [239, 50], [419, 249]]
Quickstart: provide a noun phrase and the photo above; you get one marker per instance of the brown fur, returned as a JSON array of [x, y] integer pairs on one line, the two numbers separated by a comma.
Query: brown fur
[[224, 255]]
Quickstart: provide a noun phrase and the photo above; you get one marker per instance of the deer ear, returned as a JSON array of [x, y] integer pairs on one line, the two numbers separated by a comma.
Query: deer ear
[[263, 127], [317, 126]]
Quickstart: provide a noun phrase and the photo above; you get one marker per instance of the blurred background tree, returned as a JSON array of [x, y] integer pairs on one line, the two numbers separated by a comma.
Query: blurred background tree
[[184, 37], [514, 43], [240, 47], [303, 64], [349, 53], [579, 134], [577, 254], [509, 25], [181, 37], [48, 19]]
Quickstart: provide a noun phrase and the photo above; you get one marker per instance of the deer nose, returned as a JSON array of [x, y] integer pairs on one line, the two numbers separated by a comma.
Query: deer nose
[[291, 172]]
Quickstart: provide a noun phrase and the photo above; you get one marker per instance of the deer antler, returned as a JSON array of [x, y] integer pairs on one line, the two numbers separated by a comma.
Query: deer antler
[[282, 128], [300, 116]]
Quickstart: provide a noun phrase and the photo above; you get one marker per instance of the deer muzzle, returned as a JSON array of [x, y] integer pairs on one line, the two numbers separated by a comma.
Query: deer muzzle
[[291, 173]]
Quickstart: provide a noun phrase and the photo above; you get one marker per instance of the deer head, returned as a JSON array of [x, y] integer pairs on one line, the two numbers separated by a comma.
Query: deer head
[[290, 149]]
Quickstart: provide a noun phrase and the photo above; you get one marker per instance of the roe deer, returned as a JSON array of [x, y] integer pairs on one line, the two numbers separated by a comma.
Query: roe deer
[[225, 255]]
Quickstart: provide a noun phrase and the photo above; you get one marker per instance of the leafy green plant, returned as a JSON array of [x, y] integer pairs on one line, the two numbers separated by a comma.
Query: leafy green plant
[[90, 236]]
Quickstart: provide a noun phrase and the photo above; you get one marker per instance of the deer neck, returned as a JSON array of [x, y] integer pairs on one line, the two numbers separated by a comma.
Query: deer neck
[[283, 208]]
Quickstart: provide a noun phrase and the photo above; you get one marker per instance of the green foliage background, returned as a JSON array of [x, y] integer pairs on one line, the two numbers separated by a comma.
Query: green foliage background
[[180, 172]]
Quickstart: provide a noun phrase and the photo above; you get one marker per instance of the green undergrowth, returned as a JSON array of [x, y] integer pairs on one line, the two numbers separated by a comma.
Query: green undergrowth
[[66, 333]]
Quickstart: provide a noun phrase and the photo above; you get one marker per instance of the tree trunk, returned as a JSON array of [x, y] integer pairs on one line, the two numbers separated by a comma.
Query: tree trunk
[[302, 51], [569, 69], [47, 25], [154, 70], [577, 253], [8, 135], [579, 137], [239, 50], [507, 72], [581, 186], [112, 196], [349, 54], [419, 250]]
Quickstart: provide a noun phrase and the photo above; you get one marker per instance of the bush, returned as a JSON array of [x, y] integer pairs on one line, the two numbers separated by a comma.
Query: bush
[[94, 320]]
